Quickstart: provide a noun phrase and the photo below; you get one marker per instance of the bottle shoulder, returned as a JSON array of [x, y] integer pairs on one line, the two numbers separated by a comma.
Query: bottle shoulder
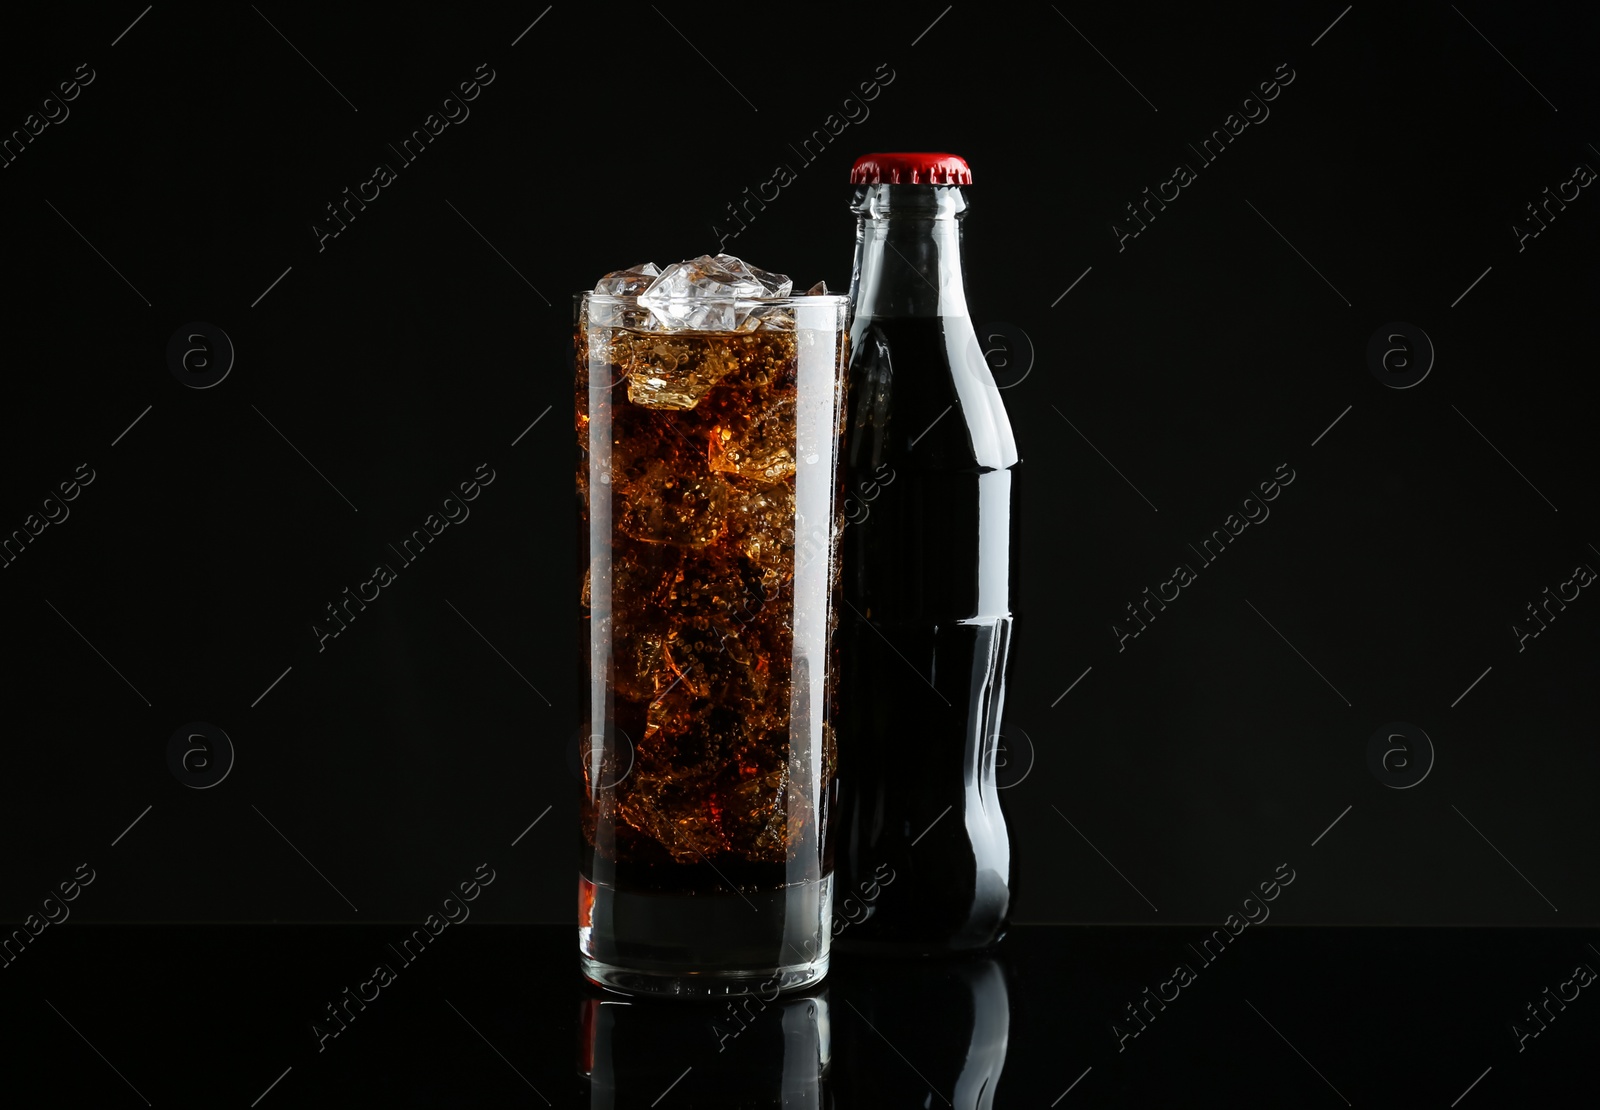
[[921, 392]]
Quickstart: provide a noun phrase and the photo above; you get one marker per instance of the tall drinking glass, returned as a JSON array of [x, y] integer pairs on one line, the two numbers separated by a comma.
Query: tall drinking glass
[[709, 496]]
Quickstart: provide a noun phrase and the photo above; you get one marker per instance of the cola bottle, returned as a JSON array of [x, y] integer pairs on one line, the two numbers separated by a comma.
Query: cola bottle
[[928, 558]]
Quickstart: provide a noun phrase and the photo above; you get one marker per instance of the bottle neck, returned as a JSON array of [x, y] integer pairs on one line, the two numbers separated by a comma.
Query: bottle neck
[[908, 251]]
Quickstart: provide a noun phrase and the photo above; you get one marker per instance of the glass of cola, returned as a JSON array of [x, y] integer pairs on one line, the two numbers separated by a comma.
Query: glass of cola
[[709, 407]]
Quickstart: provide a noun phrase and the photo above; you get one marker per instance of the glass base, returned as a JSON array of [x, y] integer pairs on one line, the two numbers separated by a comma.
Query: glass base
[[703, 985], [717, 945]]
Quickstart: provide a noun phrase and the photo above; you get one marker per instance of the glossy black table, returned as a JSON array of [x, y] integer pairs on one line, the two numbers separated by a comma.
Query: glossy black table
[[1069, 1016]]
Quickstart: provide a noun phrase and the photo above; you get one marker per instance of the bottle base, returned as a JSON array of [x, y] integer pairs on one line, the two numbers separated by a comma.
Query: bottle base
[[917, 947]]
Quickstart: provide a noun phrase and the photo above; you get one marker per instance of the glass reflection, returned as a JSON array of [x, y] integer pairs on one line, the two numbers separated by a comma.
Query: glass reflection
[[675, 1055], [877, 1033]]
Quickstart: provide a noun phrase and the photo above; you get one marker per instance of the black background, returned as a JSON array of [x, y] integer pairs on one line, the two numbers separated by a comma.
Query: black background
[[376, 373]]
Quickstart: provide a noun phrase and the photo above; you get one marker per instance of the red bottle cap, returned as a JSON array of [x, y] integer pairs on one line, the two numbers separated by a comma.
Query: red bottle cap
[[910, 169]]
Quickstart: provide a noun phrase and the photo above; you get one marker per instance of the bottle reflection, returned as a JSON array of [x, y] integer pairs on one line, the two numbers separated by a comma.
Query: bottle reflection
[[925, 1033], [741, 1052]]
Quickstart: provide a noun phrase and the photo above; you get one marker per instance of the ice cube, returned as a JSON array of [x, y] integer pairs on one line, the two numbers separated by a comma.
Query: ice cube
[[629, 282], [623, 283], [664, 374], [708, 780], [763, 448], [761, 523], [703, 293], [640, 669], [756, 810], [683, 507], [777, 317], [769, 318]]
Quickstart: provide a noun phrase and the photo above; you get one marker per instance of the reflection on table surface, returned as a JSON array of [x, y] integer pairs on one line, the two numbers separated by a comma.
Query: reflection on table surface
[[877, 1033]]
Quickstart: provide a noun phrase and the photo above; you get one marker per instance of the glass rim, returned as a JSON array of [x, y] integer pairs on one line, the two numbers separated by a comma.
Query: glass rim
[[793, 299]]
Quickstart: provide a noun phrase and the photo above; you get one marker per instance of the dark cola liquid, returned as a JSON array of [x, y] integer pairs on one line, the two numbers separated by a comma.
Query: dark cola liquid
[[923, 860]]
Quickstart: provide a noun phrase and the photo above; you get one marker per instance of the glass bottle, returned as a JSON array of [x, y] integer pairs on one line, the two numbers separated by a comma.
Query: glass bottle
[[928, 556]]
